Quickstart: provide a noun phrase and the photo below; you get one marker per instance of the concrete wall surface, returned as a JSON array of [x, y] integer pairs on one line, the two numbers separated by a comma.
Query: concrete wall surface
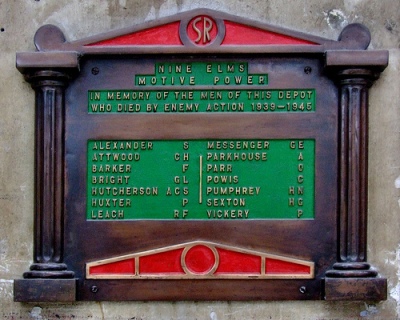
[[19, 20]]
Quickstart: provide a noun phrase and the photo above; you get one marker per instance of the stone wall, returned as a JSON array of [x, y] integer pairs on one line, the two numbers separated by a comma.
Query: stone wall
[[19, 20]]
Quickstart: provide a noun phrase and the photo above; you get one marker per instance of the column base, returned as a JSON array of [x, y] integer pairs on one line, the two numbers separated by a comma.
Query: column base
[[45, 290], [49, 271], [351, 270], [354, 281], [355, 289]]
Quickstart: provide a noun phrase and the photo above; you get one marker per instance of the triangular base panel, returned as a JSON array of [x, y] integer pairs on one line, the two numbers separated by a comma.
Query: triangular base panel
[[200, 260]]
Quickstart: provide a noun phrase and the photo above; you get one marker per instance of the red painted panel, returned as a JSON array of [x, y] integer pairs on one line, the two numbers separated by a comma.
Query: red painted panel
[[199, 259], [279, 266], [119, 267], [237, 262], [167, 34], [239, 34], [164, 262]]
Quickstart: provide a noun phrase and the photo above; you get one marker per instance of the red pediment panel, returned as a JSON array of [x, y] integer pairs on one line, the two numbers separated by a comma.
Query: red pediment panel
[[203, 28], [200, 31]]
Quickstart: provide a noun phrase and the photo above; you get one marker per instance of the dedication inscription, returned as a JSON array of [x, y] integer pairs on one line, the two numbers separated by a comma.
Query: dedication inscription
[[194, 87]]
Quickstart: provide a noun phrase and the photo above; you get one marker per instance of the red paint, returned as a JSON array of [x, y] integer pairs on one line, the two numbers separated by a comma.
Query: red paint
[[167, 34], [163, 262], [239, 34], [119, 267], [199, 259], [236, 262], [202, 30], [278, 266]]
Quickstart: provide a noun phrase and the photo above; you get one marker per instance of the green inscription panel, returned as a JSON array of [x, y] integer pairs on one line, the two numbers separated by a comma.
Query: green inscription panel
[[200, 179], [201, 87]]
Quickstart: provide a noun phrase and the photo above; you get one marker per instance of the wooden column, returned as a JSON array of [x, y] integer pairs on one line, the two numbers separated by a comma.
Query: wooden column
[[354, 84], [48, 278], [49, 72], [352, 277], [49, 87]]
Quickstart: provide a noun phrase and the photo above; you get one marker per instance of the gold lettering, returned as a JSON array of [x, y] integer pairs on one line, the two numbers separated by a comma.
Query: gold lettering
[[228, 214], [299, 213], [107, 214], [196, 29]]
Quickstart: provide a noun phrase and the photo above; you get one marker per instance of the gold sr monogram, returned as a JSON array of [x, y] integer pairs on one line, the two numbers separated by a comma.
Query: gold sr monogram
[[202, 26]]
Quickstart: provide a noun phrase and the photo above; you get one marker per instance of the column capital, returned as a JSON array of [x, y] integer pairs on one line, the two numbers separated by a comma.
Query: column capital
[[339, 60], [47, 77], [356, 76]]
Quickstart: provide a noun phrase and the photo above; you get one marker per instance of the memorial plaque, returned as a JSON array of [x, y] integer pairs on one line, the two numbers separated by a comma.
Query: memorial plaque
[[201, 157]]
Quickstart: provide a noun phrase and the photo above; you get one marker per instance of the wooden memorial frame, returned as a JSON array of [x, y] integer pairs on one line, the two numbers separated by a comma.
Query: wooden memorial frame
[[222, 257]]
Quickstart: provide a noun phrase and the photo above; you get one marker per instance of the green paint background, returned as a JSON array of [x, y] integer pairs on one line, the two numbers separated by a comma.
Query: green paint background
[[158, 167]]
